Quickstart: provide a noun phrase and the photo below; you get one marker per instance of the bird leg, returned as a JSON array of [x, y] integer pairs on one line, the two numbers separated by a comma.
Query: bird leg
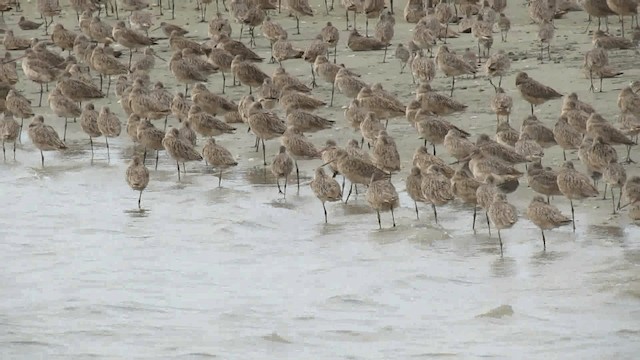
[[42, 157], [613, 201], [324, 207], [453, 84], [297, 25], [379, 223], [486, 214], [220, 178], [278, 183], [475, 211], [349, 193], [178, 164], [297, 174], [333, 90], [435, 212], [604, 197], [313, 78], [264, 154], [500, 239], [106, 139], [157, 156], [91, 142], [393, 218], [384, 57], [64, 135], [573, 216]]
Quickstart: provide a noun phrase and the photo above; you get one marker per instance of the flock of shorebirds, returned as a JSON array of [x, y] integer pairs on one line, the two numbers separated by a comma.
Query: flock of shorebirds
[[482, 172]]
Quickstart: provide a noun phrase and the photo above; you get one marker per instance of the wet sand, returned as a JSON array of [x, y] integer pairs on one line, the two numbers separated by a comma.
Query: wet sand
[[207, 271]]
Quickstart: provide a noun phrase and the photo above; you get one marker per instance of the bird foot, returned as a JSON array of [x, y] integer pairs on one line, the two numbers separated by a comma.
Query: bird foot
[[628, 161]]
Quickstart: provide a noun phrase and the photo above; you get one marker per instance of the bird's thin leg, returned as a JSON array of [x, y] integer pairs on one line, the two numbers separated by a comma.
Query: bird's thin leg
[[613, 201], [42, 157], [278, 183], [573, 216], [333, 90], [379, 223], [500, 239], [91, 142], [325, 213], [286, 181], [393, 218], [264, 154], [604, 197], [178, 164], [349, 193], [297, 174], [544, 242], [453, 84], [64, 135], [140, 200], [486, 214], [475, 211], [220, 178], [106, 140], [417, 214], [157, 156], [3, 151], [297, 25], [435, 212]]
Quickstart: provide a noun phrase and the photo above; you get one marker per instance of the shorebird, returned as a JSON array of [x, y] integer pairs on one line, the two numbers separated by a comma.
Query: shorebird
[[206, 124], [599, 9], [299, 148], [566, 136], [247, 73], [25, 24], [299, 8], [315, 48], [436, 188], [9, 133], [307, 122], [137, 176], [89, 123], [595, 60], [403, 55], [168, 28], [281, 167], [452, 66], [211, 103], [291, 100], [265, 125], [624, 8], [331, 36], [504, 24], [497, 64], [506, 135], [465, 187], [106, 65], [575, 186], [38, 71], [545, 35], [109, 125], [222, 60], [545, 216], [357, 170], [385, 154], [325, 188], [63, 107], [436, 103], [413, 185], [357, 42], [19, 106], [184, 72], [12, 42], [218, 156], [44, 137], [615, 176], [385, 31], [382, 196], [179, 149], [534, 92], [502, 214], [501, 104], [282, 50]]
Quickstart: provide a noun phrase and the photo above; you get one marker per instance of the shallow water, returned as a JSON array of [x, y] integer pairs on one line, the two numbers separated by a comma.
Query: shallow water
[[240, 272]]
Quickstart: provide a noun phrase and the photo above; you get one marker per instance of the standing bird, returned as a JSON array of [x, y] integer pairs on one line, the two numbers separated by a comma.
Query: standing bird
[[534, 92], [595, 60], [109, 125], [137, 176], [325, 188], [44, 137], [502, 214], [403, 55], [545, 35], [382, 196], [385, 31], [89, 123], [575, 186], [299, 8], [545, 216], [497, 64], [331, 36], [218, 156], [9, 133], [452, 66], [180, 150], [281, 167], [436, 188]]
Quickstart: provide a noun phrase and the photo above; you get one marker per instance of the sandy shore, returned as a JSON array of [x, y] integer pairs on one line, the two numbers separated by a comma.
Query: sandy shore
[[563, 73]]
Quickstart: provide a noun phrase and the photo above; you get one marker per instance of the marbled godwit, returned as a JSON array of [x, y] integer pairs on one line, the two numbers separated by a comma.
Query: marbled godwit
[[63, 107], [598, 126], [273, 31], [39, 71], [290, 100], [483, 31], [198, 62], [218, 156], [187, 134], [265, 125], [528, 147], [179, 149], [543, 180], [574, 186], [208, 125], [184, 72], [422, 159], [615, 176], [457, 144], [143, 105], [8, 70], [252, 18], [482, 165], [506, 153], [403, 55], [307, 122], [464, 187], [299, 147], [269, 94], [106, 65], [149, 137], [299, 8], [109, 125], [609, 42], [329, 154], [325, 188], [436, 188], [179, 43], [599, 9], [89, 123], [599, 155], [628, 101], [385, 31], [484, 196], [222, 60], [355, 114], [382, 195], [348, 84], [433, 129], [63, 38], [506, 135], [315, 48], [572, 99], [25, 24], [497, 64], [624, 8], [534, 92], [383, 104], [504, 24], [437, 103], [545, 216], [424, 38], [9, 132], [210, 102], [132, 127], [282, 79], [414, 187], [545, 36], [281, 167], [501, 104], [594, 60], [502, 214], [331, 36], [631, 190], [356, 170], [422, 68], [235, 48], [147, 62], [357, 42], [444, 14], [566, 136], [282, 50], [385, 153], [412, 111], [370, 127], [219, 25], [414, 10], [141, 20], [168, 28], [44, 137], [137, 176], [247, 73], [12, 42], [78, 89], [19, 106], [99, 31]]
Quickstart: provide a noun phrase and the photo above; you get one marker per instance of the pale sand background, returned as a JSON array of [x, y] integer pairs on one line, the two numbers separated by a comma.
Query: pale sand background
[[239, 270]]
